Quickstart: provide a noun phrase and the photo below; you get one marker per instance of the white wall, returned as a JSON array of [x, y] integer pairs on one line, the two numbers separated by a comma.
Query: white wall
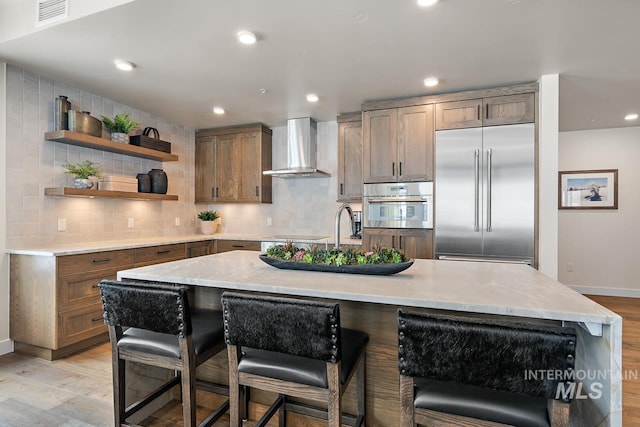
[[603, 245], [34, 164], [6, 346], [548, 170]]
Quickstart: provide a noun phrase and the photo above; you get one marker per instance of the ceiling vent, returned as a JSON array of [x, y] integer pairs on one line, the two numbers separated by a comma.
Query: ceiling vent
[[51, 10]]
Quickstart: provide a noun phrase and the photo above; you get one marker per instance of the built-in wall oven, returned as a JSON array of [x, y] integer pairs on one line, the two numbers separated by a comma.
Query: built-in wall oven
[[398, 205]]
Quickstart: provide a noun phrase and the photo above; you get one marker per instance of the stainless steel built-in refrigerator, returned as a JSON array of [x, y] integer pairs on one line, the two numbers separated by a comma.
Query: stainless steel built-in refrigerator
[[485, 193]]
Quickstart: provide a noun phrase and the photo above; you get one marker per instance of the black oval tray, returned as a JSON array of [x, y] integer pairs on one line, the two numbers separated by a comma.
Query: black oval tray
[[375, 269]]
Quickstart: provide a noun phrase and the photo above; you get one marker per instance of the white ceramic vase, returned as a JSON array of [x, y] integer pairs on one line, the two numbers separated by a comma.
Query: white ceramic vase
[[209, 227]]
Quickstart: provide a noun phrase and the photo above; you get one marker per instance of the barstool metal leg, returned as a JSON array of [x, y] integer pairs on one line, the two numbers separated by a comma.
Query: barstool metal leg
[[360, 390]]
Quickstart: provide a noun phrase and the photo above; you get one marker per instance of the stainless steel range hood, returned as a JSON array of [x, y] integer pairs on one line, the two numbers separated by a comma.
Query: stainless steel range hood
[[301, 151]]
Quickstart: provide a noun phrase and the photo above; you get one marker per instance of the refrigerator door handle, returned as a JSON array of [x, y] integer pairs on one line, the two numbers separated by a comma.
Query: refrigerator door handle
[[476, 223], [489, 171]]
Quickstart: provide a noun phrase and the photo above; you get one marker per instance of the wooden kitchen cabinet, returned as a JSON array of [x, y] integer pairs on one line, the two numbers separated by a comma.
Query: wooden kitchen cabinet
[[350, 158], [229, 164], [202, 248], [55, 300], [236, 245], [413, 243], [398, 144], [490, 111]]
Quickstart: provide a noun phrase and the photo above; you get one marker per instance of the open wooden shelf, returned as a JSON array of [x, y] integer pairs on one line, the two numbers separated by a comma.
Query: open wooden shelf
[[88, 141], [107, 194]]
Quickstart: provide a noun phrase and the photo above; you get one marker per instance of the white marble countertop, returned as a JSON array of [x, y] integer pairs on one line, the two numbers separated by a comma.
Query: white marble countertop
[[112, 245], [492, 288]]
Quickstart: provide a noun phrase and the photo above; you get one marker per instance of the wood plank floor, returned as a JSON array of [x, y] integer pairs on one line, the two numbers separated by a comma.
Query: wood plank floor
[[76, 391]]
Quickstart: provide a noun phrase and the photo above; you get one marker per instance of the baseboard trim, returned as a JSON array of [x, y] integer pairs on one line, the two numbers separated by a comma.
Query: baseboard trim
[[609, 292], [6, 346]]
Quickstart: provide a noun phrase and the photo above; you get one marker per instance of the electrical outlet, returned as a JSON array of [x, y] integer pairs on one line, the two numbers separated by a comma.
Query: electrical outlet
[[570, 267], [62, 224], [129, 222], [269, 221], [177, 221]]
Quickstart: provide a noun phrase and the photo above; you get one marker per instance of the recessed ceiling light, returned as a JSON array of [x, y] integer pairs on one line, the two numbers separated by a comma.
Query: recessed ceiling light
[[247, 37], [124, 65], [631, 116], [427, 3], [218, 110], [263, 91], [431, 81], [312, 97]]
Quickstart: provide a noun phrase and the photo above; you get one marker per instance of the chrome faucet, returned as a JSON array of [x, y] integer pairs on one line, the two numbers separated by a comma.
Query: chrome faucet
[[351, 223]]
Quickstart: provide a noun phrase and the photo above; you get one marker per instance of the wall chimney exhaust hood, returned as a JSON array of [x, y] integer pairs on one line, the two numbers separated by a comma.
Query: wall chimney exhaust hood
[[301, 151]]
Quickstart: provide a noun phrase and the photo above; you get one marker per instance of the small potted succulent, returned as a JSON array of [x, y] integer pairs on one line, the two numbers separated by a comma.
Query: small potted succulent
[[86, 173], [119, 127], [209, 221]]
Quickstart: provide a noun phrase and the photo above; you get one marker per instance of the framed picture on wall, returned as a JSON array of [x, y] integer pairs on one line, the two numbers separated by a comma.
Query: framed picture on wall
[[589, 189]]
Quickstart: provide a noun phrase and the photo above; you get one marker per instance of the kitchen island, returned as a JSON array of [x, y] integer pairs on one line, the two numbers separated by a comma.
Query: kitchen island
[[369, 303]]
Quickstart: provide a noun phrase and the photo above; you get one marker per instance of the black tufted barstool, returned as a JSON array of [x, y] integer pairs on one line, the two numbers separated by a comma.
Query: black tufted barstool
[[295, 348], [482, 372], [152, 323]]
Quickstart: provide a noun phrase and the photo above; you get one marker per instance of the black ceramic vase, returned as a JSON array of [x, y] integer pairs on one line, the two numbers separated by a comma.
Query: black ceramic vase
[[158, 179], [144, 183]]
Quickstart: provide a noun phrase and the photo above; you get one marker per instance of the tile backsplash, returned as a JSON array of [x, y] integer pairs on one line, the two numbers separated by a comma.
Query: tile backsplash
[[300, 206], [34, 164]]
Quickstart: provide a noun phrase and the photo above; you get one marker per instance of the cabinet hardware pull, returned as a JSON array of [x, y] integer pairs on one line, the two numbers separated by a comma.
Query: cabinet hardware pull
[[479, 107], [341, 188], [400, 239], [393, 168], [96, 261], [97, 319], [486, 110], [393, 241], [216, 192], [257, 194], [237, 246], [166, 251], [400, 171], [213, 192]]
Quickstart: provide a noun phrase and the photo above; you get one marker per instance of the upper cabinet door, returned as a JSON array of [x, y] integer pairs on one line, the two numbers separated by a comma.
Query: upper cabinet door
[[250, 166], [227, 168], [415, 143], [459, 114], [350, 158], [205, 186], [380, 135], [510, 109]]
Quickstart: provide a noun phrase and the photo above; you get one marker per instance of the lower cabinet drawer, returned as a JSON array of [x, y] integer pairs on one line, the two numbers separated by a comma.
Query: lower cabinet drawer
[[236, 245], [158, 254], [80, 323], [195, 249], [78, 290], [71, 264]]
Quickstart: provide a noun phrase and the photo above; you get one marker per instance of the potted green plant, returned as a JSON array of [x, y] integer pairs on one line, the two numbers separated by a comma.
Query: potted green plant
[[209, 221], [85, 173], [119, 127]]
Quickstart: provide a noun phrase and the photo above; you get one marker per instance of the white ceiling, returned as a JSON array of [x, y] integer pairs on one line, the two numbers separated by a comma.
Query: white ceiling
[[346, 51]]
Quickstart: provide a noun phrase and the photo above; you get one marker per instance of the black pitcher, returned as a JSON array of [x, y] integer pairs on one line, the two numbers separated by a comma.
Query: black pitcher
[[158, 181]]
